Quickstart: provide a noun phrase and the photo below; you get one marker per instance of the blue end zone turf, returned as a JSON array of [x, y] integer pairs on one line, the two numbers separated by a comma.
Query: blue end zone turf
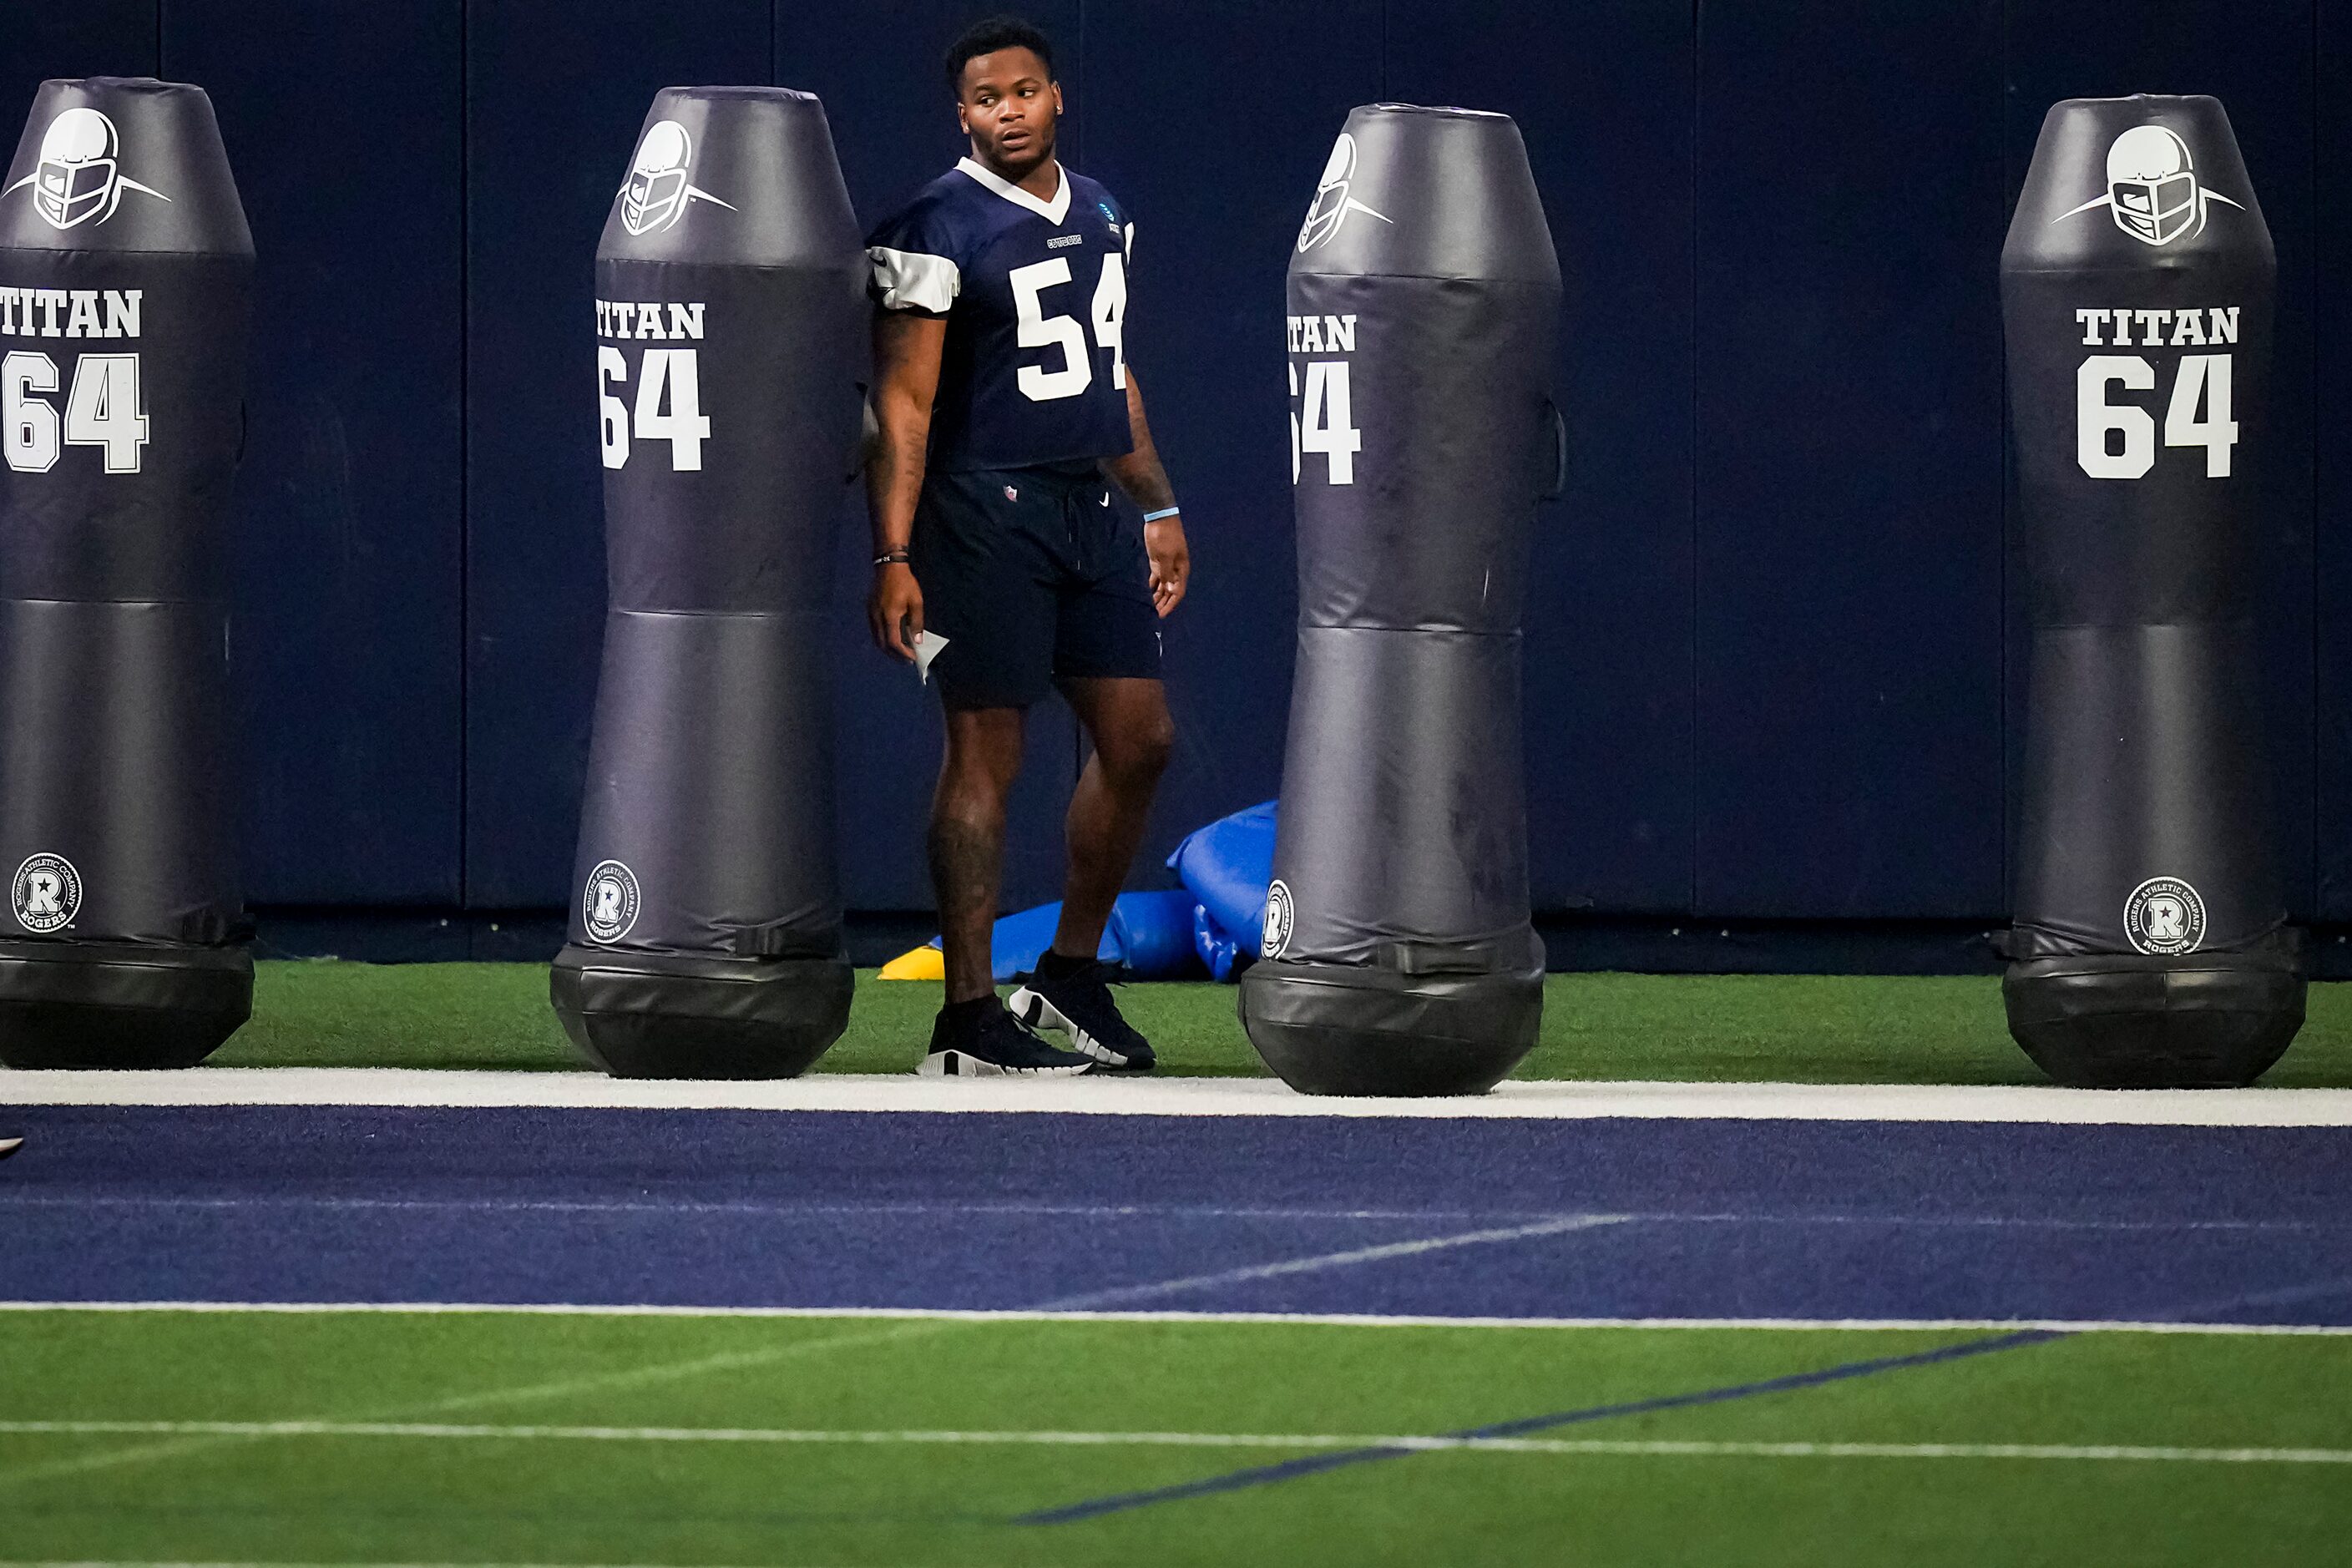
[[1389, 1216]]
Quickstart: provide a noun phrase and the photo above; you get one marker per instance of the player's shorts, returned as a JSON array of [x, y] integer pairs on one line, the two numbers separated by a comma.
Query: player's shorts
[[1033, 576]]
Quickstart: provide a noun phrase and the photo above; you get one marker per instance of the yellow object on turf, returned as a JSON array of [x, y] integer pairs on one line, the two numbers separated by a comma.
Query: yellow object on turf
[[926, 963]]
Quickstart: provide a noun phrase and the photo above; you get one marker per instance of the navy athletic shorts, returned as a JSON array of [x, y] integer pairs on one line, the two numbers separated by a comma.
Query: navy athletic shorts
[[1033, 576]]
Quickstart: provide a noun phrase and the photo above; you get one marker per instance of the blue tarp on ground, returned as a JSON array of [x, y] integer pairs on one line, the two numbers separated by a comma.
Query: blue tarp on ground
[[1212, 922], [1226, 867]]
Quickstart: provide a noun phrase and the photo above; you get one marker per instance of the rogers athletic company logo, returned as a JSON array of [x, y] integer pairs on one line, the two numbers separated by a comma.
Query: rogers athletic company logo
[[656, 193], [79, 177], [45, 894], [2153, 191], [1332, 203], [1279, 913], [608, 907], [2164, 916]]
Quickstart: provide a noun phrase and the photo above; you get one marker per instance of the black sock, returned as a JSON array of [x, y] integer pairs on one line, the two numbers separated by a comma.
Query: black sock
[[972, 1014], [1051, 966]]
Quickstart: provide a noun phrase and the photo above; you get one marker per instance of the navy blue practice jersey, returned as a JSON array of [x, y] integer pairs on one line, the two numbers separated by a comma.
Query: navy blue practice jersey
[[1034, 294]]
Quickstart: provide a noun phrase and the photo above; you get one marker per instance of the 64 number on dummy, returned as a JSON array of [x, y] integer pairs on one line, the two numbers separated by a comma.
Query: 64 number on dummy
[[666, 407], [1323, 415], [101, 409], [2116, 435]]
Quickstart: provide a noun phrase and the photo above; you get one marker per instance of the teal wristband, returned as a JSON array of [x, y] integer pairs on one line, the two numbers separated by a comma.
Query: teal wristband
[[1163, 511]]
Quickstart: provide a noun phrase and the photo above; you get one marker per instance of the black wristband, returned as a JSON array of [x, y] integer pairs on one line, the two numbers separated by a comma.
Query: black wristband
[[892, 558]]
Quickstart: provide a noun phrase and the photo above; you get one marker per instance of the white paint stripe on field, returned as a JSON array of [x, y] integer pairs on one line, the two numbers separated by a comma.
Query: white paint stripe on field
[[1295, 1441], [1176, 1315], [921, 1325], [787, 1209], [1560, 1224], [738, 1362], [1546, 1101]]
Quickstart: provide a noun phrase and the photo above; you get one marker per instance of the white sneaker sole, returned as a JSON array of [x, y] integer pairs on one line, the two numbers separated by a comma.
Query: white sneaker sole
[[1040, 1015], [962, 1064]]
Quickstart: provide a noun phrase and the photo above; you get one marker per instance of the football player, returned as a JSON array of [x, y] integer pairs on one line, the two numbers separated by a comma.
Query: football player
[[1003, 402]]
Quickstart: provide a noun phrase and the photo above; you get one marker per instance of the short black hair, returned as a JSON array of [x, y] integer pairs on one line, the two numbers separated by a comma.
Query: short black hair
[[989, 35]]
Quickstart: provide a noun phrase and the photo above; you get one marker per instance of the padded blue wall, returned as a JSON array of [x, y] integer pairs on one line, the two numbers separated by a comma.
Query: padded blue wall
[[1849, 460], [349, 151], [1772, 625], [93, 37]]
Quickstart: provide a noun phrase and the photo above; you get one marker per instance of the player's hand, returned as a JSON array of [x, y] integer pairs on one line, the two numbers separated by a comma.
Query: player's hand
[[1171, 563], [894, 608]]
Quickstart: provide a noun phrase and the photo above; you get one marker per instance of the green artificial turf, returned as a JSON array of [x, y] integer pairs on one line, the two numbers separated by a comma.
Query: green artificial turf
[[1805, 1029], [868, 1495]]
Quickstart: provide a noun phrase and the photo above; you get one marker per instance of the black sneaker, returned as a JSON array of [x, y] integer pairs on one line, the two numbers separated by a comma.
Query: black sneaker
[[1078, 1006], [996, 1047]]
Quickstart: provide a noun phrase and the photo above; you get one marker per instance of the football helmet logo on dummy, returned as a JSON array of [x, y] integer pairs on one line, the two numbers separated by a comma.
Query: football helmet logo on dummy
[[79, 177], [657, 194], [2152, 188], [1332, 203]]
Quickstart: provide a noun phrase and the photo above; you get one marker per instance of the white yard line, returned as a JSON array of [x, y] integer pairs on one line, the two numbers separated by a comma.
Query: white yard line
[[900, 1326], [738, 1361], [1546, 1101], [1560, 1224], [1307, 1319], [1293, 1441], [984, 1209]]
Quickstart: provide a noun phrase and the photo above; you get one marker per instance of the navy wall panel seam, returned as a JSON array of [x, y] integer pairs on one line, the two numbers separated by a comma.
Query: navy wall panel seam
[[1697, 401], [2328, 262], [1079, 741], [465, 561], [2313, 398], [2001, 112]]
